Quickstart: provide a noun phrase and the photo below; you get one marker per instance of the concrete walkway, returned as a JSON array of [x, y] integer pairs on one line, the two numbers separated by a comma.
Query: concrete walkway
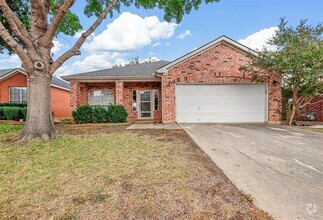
[[171, 126], [281, 167]]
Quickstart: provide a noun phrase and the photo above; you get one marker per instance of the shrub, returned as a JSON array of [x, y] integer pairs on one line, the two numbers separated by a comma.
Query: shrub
[[11, 113], [100, 115], [24, 113], [2, 113], [117, 114], [83, 114], [13, 104]]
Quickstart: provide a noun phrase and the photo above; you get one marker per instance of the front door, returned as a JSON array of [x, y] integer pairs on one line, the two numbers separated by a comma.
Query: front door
[[145, 110]]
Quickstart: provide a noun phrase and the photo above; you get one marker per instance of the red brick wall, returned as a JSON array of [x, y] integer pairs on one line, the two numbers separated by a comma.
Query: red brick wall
[[61, 103], [79, 91], [219, 64], [17, 80], [122, 91], [315, 107], [127, 95], [60, 98]]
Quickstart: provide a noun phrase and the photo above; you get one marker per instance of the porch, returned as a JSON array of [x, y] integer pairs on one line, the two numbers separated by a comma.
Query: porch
[[142, 100]]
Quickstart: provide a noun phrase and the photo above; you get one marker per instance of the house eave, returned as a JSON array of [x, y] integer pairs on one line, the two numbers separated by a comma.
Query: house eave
[[111, 79], [17, 70]]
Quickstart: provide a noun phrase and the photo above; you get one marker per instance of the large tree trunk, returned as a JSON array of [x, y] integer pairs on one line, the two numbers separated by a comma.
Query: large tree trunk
[[39, 122]]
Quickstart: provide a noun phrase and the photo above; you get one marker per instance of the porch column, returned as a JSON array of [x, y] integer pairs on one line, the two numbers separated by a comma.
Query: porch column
[[75, 94], [119, 92]]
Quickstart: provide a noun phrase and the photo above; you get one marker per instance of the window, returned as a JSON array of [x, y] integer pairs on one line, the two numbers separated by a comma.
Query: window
[[100, 98], [156, 99], [134, 100], [18, 94]]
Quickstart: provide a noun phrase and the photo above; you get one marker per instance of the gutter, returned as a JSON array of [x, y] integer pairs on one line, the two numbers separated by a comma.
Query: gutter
[[109, 78]]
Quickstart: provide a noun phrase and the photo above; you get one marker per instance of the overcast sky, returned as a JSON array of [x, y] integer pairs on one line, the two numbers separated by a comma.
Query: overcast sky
[[144, 34]]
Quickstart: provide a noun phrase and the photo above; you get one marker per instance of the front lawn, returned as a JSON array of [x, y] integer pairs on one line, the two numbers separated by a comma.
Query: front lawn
[[107, 172]]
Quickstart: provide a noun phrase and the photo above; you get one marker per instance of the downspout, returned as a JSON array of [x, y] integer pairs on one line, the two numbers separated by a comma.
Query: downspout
[[162, 91]]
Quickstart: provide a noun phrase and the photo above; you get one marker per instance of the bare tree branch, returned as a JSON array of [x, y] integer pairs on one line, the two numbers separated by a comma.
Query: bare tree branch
[[39, 23], [75, 50], [16, 25], [305, 103], [16, 47], [60, 13]]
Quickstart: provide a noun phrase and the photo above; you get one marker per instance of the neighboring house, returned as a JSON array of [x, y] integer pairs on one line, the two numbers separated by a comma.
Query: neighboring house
[[313, 111], [13, 88], [204, 85]]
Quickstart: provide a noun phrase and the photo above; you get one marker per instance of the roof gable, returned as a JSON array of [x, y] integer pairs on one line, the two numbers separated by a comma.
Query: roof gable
[[57, 83], [223, 39]]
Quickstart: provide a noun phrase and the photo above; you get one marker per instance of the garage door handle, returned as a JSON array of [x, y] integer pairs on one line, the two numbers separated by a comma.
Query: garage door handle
[[198, 108]]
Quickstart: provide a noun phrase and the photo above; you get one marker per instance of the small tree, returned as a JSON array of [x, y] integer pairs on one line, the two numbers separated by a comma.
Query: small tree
[[298, 59], [28, 27]]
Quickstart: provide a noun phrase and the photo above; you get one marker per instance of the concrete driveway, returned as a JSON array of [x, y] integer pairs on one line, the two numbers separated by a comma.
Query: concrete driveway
[[281, 167]]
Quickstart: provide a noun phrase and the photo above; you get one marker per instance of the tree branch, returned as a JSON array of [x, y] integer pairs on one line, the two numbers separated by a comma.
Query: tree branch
[[305, 103], [75, 50], [16, 25], [27, 63], [59, 15], [38, 19], [55, 6]]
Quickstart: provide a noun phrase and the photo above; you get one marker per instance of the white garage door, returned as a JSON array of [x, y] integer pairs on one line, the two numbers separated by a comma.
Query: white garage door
[[221, 103]]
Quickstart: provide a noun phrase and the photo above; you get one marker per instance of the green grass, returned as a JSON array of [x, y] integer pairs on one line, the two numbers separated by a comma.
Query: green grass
[[113, 176], [7, 130]]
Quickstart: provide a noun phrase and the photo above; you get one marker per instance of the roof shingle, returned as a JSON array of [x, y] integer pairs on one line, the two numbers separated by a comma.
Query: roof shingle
[[55, 81], [143, 70]]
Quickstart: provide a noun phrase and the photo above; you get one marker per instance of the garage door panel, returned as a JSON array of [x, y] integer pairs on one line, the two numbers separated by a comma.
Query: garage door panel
[[220, 103]]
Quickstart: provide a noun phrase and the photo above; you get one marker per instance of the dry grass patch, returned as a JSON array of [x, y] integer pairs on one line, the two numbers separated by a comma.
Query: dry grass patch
[[104, 174]]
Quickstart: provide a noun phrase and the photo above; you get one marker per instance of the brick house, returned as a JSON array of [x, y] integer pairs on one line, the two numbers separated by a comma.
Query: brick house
[[204, 85], [13, 88]]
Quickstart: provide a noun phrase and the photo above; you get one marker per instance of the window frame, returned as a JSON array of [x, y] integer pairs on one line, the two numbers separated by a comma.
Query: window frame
[[21, 88], [151, 105], [132, 100], [154, 91], [101, 91]]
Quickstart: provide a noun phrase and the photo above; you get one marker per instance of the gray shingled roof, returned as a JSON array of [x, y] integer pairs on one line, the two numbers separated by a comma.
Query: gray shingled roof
[[143, 70], [55, 81]]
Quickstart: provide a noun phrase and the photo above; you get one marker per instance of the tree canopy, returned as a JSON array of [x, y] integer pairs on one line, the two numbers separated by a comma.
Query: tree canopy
[[298, 59], [70, 23]]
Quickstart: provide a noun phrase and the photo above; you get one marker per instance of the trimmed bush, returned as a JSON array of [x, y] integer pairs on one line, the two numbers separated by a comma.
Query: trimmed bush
[[23, 113], [12, 104], [100, 115], [2, 113], [11, 113], [117, 114], [83, 114], [89, 114]]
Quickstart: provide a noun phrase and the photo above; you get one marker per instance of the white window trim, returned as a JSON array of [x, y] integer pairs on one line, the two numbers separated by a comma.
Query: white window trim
[[18, 87], [157, 99], [136, 91], [101, 97], [152, 106]]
